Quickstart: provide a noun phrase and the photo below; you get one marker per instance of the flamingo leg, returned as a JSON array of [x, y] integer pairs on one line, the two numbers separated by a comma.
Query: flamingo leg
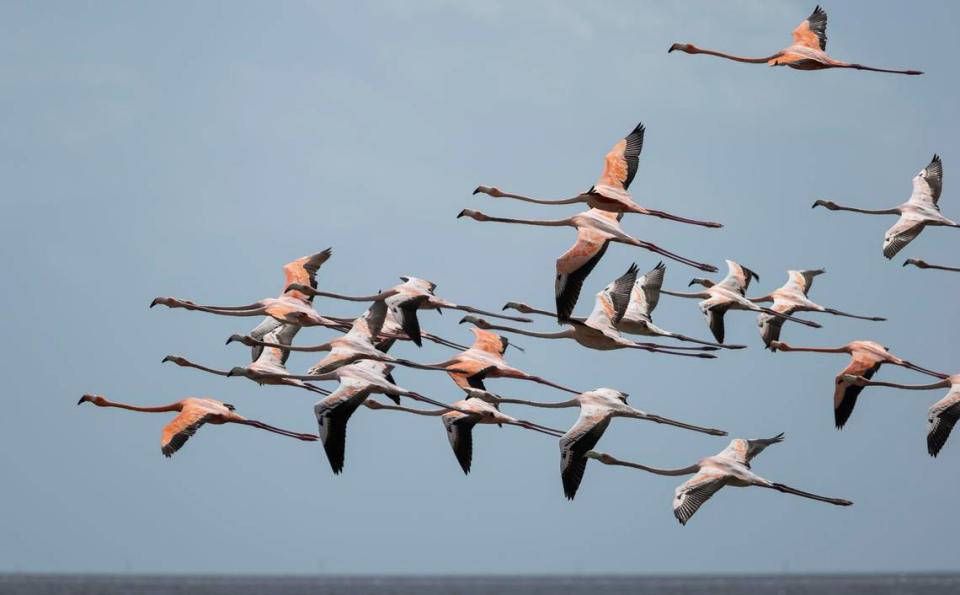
[[654, 248]]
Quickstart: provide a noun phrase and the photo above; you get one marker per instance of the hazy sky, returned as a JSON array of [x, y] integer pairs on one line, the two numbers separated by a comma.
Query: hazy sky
[[192, 149]]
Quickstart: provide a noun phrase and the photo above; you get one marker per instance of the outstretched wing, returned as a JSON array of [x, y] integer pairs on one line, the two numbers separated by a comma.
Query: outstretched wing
[[620, 164], [582, 437], [738, 277], [404, 310], [646, 292], [845, 394], [802, 280], [714, 316], [812, 32], [743, 451], [902, 233], [489, 342], [618, 292], [574, 266], [274, 356], [770, 325], [368, 326], [303, 271], [333, 413], [460, 434], [177, 432], [691, 494], [928, 183], [942, 417]]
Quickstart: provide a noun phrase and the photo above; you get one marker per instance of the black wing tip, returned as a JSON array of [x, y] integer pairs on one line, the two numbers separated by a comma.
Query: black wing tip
[[640, 129]]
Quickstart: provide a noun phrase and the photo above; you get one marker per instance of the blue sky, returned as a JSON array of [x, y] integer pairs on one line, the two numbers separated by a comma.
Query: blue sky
[[191, 150]]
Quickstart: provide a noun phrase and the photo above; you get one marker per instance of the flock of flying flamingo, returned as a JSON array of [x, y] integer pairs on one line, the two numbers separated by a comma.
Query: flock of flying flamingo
[[359, 362]]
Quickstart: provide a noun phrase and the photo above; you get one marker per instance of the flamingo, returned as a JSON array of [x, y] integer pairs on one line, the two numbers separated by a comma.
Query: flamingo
[[806, 53], [729, 294], [792, 297], [599, 330], [597, 408], [920, 210], [404, 300], [267, 369], [637, 319], [484, 359], [356, 345], [393, 332], [459, 425], [595, 230], [866, 357], [293, 307], [192, 413], [357, 382], [943, 414], [729, 467], [285, 309], [303, 271], [610, 191], [922, 264]]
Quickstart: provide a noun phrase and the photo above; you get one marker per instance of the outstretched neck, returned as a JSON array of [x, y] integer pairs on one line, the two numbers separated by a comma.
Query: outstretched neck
[[519, 331], [429, 412], [560, 405], [696, 50], [160, 409], [686, 294], [609, 460], [932, 386], [785, 347]]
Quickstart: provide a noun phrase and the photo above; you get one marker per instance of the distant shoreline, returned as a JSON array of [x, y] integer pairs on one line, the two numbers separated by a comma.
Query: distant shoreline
[[927, 583]]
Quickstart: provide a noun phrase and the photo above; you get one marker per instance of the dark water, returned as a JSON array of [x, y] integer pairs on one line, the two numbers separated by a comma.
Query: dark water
[[900, 584]]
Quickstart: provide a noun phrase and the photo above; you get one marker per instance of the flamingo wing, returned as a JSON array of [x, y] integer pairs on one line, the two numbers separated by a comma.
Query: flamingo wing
[[404, 311], [646, 292], [582, 437], [619, 292], [333, 413], [845, 395], [770, 325], [275, 356], [802, 280], [620, 164], [928, 183], [902, 233], [942, 417], [714, 315], [184, 425], [812, 32], [303, 271], [574, 266], [285, 332], [368, 326], [738, 277], [743, 451], [489, 342], [691, 495], [460, 434]]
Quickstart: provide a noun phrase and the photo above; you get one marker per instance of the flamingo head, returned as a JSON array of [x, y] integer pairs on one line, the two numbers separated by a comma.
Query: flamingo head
[[519, 307], [237, 371], [687, 48], [476, 215], [95, 399]]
